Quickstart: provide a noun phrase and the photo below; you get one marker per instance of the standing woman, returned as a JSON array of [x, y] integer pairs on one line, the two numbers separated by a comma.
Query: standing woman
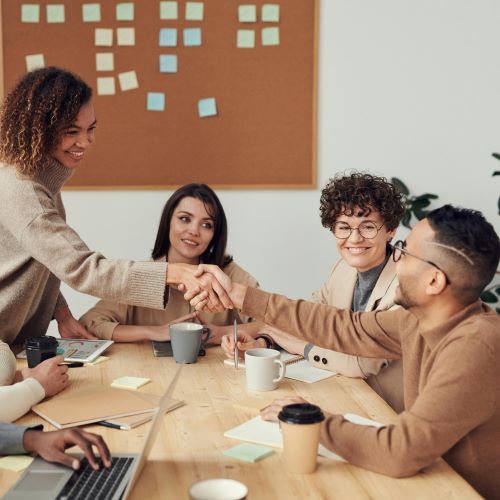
[[47, 124]]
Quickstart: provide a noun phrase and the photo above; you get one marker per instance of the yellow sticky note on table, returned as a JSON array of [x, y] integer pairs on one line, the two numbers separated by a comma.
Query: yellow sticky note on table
[[194, 11], [130, 382], [30, 13], [100, 359], [15, 463]]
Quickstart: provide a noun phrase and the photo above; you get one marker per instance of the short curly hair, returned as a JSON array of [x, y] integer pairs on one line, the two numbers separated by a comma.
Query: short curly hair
[[34, 113], [357, 190]]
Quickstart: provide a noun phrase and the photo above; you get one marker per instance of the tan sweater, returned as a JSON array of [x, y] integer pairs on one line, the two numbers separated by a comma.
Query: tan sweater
[[105, 316], [451, 385], [38, 250]]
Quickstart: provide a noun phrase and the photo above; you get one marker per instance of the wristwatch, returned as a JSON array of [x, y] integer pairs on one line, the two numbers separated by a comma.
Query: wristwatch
[[270, 344]]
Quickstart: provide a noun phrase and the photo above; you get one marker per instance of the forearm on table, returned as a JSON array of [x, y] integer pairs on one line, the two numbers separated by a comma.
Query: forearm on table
[[133, 333], [16, 400]]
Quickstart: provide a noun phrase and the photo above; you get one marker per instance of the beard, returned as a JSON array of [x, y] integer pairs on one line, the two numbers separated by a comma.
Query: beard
[[403, 296]]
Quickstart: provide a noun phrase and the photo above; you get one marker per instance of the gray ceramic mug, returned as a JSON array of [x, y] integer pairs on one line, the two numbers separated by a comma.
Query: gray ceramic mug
[[187, 340]]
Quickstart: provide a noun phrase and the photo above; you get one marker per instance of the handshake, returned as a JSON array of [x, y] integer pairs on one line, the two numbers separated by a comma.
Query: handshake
[[206, 287]]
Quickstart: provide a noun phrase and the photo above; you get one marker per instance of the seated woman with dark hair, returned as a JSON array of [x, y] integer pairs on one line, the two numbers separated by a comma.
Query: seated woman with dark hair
[[192, 230]]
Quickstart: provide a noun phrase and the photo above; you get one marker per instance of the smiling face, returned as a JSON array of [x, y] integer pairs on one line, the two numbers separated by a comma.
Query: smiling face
[[359, 252], [76, 138], [191, 231]]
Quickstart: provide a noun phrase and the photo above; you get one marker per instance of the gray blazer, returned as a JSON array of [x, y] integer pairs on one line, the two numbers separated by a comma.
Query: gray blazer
[[11, 438]]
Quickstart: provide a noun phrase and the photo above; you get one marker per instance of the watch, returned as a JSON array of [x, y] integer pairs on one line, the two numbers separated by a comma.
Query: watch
[[270, 344]]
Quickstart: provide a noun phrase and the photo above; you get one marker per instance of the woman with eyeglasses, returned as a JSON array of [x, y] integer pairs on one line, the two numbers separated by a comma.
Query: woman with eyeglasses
[[363, 213]]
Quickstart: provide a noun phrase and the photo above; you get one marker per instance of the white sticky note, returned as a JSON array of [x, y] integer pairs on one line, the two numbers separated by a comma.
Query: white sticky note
[[168, 10], [125, 11], [104, 61], [103, 37], [35, 61], [128, 80], [271, 13], [130, 382], [106, 85], [194, 11], [271, 36], [247, 13], [245, 39], [15, 463], [30, 13], [55, 13], [125, 36], [91, 12]]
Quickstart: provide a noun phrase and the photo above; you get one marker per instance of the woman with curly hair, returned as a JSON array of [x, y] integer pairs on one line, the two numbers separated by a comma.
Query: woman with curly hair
[[363, 212], [47, 124]]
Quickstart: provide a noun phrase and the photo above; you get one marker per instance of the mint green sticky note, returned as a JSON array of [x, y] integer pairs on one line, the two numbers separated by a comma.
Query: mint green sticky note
[[248, 452], [168, 63], [271, 13], [156, 101], [194, 11], [30, 13], [207, 107], [247, 14], [245, 39], [125, 11], [91, 12], [55, 13], [192, 37], [168, 37], [270, 36], [168, 10]]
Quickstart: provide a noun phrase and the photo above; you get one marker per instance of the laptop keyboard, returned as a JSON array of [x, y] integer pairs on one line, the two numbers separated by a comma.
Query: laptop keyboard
[[86, 483]]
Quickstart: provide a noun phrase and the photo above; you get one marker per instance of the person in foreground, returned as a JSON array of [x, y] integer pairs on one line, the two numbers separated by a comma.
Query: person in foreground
[[19, 439], [448, 339], [47, 125], [363, 212], [192, 229]]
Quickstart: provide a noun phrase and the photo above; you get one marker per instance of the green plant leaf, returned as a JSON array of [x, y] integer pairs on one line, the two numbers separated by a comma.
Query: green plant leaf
[[427, 196], [496, 155], [406, 219], [400, 186], [489, 297], [497, 291], [496, 172], [420, 203]]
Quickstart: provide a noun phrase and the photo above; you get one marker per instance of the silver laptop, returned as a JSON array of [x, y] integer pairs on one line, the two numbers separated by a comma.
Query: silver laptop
[[47, 481]]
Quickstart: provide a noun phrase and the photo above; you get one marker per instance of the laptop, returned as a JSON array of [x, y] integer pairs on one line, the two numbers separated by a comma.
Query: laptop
[[47, 481]]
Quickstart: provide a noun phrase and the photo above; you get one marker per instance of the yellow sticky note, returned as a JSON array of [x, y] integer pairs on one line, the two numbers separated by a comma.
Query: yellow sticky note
[[270, 36], [103, 37], [194, 11], [35, 61], [106, 86], [100, 359], [128, 80], [130, 382], [125, 36], [15, 463], [30, 13]]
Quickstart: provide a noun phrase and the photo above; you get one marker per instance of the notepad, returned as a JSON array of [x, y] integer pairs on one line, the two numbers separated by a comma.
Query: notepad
[[15, 463], [130, 382], [100, 359], [248, 452], [253, 404]]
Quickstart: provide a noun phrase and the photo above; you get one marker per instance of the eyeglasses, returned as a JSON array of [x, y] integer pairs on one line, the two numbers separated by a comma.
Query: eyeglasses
[[399, 248], [367, 230]]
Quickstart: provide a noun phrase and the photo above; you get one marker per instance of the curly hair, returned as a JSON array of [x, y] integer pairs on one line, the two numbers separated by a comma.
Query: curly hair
[[34, 113], [363, 192]]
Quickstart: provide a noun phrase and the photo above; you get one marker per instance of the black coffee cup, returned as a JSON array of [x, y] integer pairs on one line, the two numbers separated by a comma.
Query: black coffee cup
[[39, 349]]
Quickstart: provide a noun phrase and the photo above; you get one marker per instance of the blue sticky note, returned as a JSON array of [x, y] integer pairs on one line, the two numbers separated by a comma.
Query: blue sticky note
[[248, 452], [156, 101], [168, 37], [168, 63], [125, 11], [207, 107], [192, 37]]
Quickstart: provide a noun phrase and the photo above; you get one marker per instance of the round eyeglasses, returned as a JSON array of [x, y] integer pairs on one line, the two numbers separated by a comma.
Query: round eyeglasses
[[367, 230]]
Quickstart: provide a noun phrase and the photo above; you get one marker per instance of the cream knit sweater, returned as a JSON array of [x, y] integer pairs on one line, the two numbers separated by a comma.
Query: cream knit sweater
[[38, 250]]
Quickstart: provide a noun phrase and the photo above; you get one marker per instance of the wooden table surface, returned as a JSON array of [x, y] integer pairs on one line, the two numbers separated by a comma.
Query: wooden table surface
[[191, 442]]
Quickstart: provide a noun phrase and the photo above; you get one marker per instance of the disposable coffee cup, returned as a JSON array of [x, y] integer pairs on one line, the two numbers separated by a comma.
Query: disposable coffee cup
[[218, 489], [39, 349], [300, 425], [187, 340]]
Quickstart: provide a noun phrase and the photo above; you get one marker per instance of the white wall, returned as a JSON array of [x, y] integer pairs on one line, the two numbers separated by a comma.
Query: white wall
[[406, 88]]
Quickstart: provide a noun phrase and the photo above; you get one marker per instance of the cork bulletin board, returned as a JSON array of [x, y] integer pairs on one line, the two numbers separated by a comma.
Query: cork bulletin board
[[215, 91]]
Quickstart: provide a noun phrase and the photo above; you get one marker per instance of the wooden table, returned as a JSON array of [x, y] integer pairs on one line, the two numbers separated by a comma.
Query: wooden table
[[190, 444]]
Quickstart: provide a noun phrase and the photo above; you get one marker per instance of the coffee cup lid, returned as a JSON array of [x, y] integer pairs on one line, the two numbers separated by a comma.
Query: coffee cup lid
[[301, 413], [41, 342]]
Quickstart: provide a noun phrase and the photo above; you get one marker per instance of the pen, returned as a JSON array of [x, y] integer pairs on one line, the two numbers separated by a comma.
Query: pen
[[109, 424], [235, 344], [76, 364]]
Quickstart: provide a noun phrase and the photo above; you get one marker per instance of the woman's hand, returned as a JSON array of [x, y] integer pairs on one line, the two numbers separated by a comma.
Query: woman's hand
[[245, 342], [162, 334], [68, 326], [271, 412]]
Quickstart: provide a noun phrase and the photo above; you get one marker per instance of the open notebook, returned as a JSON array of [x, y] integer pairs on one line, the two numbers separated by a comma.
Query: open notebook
[[297, 368], [267, 433]]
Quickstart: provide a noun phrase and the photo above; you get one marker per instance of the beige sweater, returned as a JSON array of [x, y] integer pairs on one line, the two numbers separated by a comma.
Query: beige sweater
[[38, 250], [105, 316], [451, 385]]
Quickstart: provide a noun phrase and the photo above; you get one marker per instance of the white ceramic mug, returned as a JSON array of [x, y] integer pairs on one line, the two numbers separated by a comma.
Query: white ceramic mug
[[264, 369]]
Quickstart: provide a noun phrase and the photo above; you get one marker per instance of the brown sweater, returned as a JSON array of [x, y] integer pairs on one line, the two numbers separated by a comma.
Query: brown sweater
[[38, 250], [451, 385]]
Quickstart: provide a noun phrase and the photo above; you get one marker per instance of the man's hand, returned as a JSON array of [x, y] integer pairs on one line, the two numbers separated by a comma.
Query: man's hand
[[52, 377], [51, 446], [271, 412], [245, 342], [68, 326]]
